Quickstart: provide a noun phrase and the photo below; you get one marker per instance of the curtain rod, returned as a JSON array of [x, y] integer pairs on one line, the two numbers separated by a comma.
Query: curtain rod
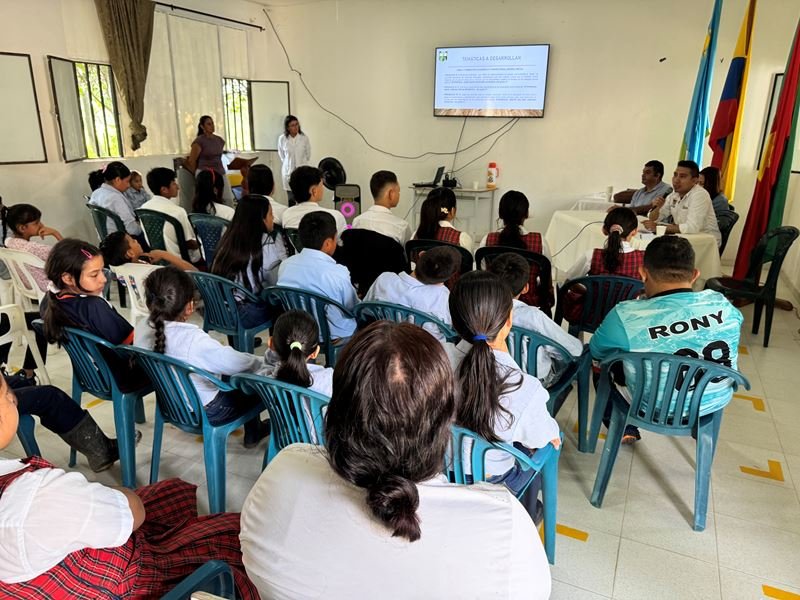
[[205, 14]]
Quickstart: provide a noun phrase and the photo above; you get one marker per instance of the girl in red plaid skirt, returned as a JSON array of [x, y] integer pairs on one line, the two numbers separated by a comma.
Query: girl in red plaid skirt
[[63, 537]]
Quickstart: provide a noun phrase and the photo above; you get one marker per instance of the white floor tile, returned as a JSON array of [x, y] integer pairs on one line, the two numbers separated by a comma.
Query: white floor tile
[[589, 565], [564, 591], [738, 586]]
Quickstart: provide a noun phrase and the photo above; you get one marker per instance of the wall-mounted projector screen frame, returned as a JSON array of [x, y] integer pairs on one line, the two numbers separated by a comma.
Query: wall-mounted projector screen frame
[[269, 105], [20, 120], [508, 81]]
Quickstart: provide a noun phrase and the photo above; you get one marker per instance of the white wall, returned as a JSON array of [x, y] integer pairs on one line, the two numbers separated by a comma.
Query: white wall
[[611, 105]]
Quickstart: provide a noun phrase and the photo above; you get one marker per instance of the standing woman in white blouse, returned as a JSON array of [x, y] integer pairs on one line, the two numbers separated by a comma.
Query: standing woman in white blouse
[[294, 150]]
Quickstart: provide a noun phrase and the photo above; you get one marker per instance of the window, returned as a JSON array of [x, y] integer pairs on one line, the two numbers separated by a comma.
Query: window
[[86, 106], [236, 106]]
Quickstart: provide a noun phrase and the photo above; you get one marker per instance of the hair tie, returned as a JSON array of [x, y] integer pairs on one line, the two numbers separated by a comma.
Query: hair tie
[[87, 254], [444, 211], [617, 228], [479, 337], [294, 345], [213, 175]]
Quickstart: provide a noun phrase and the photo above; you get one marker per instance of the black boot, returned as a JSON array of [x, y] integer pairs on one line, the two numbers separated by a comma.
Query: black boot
[[88, 439]]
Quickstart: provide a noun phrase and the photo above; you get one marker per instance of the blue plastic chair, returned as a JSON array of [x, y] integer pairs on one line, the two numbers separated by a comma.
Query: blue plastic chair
[[317, 306], [649, 375], [294, 238], [25, 433], [221, 312], [91, 374], [208, 229], [101, 216], [367, 312], [153, 222], [544, 461], [215, 577], [524, 345], [603, 292], [296, 413], [178, 404]]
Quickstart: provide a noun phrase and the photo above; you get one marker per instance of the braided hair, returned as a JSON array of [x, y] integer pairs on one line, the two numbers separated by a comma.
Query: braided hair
[[167, 292]]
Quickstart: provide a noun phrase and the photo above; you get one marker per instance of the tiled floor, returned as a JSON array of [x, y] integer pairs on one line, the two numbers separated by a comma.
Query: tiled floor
[[641, 543]]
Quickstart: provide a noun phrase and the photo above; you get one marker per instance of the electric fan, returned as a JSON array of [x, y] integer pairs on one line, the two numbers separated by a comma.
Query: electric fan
[[346, 197]]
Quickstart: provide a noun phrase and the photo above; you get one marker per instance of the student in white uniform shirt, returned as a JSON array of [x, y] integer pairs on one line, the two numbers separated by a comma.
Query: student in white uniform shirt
[[378, 217], [497, 400], [260, 182], [514, 271], [689, 206], [308, 190], [424, 289], [162, 182], [314, 270], [170, 300], [370, 515], [294, 150]]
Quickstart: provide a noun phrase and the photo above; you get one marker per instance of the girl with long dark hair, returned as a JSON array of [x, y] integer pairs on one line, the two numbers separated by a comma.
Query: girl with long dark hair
[[208, 188], [710, 180], [436, 218]]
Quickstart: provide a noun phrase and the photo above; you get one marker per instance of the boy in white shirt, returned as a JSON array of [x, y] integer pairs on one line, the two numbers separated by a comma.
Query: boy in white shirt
[[162, 182], [515, 271], [308, 189], [424, 289], [261, 182], [378, 217], [314, 270]]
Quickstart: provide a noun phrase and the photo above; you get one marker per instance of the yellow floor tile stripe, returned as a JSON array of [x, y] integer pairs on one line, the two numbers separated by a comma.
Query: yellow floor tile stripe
[[235, 433], [758, 403], [775, 471], [743, 350], [575, 534], [771, 592], [602, 436], [94, 403]]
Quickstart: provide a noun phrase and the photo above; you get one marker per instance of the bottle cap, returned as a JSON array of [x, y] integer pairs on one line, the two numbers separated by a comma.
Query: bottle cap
[[492, 165]]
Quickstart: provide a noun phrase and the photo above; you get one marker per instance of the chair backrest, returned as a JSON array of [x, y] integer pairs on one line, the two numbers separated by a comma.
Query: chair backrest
[[297, 414], [603, 292], [294, 238], [153, 224], [101, 216], [177, 396], [414, 247], [524, 345], [667, 389], [19, 264], [541, 270], [314, 304], [771, 248], [209, 230], [89, 366], [726, 221], [215, 577], [367, 312], [134, 274], [220, 311], [367, 254]]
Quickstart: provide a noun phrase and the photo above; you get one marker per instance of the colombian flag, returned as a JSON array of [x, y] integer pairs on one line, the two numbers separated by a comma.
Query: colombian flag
[[724, 139], [769, 197], [697, 121]]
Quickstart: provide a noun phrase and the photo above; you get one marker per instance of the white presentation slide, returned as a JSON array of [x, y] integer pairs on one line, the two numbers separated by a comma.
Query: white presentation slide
[[491, 81]]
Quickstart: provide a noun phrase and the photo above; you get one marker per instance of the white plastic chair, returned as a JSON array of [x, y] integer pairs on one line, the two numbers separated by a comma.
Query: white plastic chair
[[19, 331], [133, 275], [19, 264]]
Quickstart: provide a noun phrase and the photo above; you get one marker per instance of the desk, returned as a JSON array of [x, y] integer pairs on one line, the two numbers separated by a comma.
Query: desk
[[566, 224], [478, 197]]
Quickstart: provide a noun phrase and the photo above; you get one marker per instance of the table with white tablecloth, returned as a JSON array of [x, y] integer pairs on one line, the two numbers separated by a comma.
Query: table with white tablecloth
[[572, 233]]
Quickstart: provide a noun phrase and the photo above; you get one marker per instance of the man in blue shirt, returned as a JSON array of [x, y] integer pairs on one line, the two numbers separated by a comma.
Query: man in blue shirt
[[643, 198], [672, 319]]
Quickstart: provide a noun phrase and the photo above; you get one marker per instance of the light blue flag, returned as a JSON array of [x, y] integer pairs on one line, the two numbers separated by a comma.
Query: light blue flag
[[697, 123]]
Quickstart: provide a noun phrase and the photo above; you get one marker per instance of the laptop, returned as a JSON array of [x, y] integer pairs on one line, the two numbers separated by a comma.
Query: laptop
[[436, 180]]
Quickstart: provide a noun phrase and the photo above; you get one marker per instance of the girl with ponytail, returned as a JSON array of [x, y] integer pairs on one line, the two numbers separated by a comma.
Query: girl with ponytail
[[208, 190], [436, 218], [374, 495], [170, 293], [497, 400], [618, 256]]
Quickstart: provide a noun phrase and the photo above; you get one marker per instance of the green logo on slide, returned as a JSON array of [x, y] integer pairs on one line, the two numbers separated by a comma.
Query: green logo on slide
[[442, 55]]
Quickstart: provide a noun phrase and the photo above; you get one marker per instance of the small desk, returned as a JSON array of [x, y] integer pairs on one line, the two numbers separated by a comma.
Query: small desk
[[478, 198], [566, 225]]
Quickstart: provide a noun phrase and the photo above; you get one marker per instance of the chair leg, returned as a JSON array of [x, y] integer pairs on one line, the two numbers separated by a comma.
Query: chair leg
[[140, 418], [549, 477], [706, 442], [768, 321], [158, 432], [757, 308], [610, 450], [215, 440], [123, 422], [41, 370], [600, 402], [77, 393], [583, 404], [121, 289]]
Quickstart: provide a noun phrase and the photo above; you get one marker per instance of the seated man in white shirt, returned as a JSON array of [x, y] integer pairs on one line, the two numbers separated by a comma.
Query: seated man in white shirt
[[307, 187], [424, 289], [378, 217], [261, 182], [643, 198], [314, 270], [688, 209], [162, 182]]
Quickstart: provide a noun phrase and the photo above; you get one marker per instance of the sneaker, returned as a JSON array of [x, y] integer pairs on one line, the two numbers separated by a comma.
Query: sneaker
[[631, 435], [20, 380]]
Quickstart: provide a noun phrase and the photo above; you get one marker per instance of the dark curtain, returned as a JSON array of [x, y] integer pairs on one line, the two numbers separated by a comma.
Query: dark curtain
[[128, 31]]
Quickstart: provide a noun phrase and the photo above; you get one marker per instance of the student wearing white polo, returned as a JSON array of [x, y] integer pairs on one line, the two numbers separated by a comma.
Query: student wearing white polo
[[379, 218], [162, 182]]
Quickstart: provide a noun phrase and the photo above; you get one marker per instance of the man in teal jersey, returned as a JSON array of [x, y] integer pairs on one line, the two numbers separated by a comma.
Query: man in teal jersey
[[672, 319]]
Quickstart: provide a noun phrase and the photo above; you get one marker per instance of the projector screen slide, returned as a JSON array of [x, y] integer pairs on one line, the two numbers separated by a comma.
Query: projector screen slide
[[491, 81]]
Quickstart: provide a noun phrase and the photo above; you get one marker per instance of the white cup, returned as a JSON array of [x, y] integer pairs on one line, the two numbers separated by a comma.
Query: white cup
[[661, 230], [475, 185]]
